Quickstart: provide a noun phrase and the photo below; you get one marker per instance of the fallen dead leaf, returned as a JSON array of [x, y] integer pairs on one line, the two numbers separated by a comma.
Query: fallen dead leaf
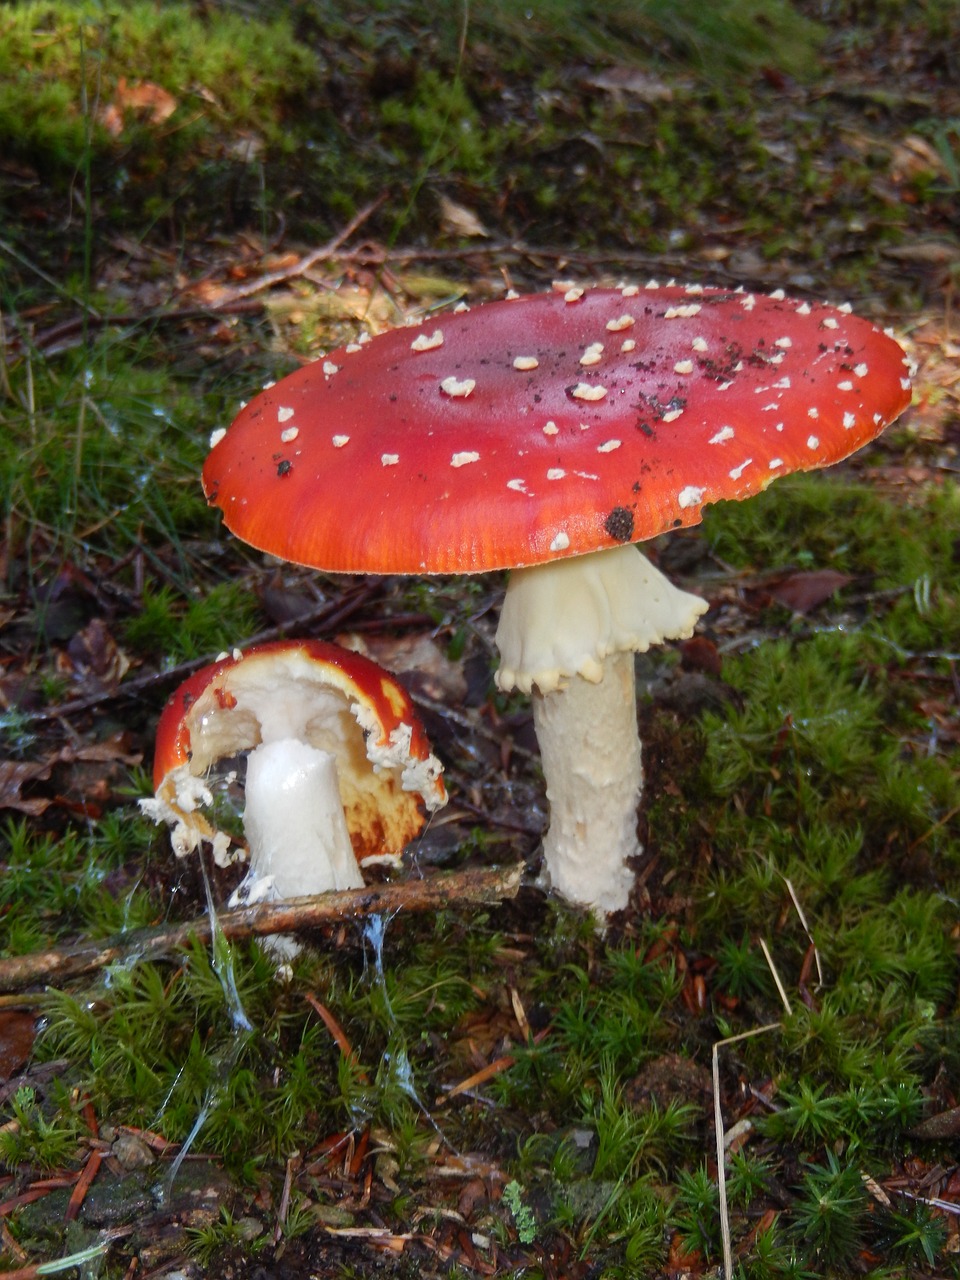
[[143, 99], [17, 1033], [803, 592], [14, 776]]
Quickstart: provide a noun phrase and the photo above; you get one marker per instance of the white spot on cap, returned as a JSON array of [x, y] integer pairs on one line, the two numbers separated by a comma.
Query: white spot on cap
[[803, 309], [592, 354], [725, 433], [845, 307], [340, 441], [573, 295], [672, 416], [830, 322], [556, 473], [329, 368], [737, 472], [699, 344], [861, 370], [352, 348], [813, 412], [784, 383], [846, 385], [621, 322], [560, 542], [461, 459], [813, 442], [905, 384], [783, 342], [454, 387], [284, 414], [289, 433], [389, 459], [778, 295], [849, 420], [608, 446], [774, 463], [628, 344], [683, 366], [519, 486], [584, 391], [690, 496], [427, 341], [748, 302], [682, 312], [459, 309], [550, 428], [217, 436], [693, 288], [629, 291], [525, 362]]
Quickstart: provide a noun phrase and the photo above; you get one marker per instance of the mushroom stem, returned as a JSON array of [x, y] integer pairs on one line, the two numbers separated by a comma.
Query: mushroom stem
[[568, 632], [294, 824], [590, 749]]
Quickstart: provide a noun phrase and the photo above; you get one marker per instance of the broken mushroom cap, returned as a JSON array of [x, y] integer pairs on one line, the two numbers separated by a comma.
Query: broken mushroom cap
[[548, 426], [333, 702]]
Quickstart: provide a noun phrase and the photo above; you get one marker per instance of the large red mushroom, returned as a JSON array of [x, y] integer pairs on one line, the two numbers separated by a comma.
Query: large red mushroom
[[546, 434]]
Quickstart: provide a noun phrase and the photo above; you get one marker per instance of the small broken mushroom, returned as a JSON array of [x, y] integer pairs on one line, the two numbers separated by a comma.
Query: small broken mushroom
[[338, 766]]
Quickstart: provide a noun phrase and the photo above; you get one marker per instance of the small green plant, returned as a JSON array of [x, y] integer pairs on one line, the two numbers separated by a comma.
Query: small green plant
[[523, 1217], [917, 1236], [206, 1242], [32, 1139], [829, 1213], [696, 1210]]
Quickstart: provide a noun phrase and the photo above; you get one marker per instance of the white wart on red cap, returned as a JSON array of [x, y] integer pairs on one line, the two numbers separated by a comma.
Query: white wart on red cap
[[549, 425]]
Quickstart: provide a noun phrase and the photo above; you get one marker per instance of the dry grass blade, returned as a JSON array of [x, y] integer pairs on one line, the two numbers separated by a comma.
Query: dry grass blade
[[718, 1124]]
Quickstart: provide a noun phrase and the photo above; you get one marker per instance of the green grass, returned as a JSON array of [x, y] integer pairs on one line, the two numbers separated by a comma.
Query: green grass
[[61, 64]]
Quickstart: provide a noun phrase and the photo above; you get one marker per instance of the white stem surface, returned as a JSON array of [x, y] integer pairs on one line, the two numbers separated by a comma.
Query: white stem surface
[[567, 635], [294, 824], [591, 761]]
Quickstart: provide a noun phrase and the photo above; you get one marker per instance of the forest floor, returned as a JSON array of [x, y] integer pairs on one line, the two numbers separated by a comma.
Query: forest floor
[[196, 202]]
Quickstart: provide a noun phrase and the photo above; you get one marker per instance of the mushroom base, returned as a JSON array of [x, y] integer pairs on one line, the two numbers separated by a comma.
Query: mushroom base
[[294, 824], [590, 747]]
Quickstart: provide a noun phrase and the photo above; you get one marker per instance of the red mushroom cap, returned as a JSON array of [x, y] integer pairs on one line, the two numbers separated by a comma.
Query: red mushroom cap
[[548, 425], [369, 723]]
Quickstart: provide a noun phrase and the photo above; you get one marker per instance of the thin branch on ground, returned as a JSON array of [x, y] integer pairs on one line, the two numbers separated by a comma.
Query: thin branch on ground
[[298, 916]]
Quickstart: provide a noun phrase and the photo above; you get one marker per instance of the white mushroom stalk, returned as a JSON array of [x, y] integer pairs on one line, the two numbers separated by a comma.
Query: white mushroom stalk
[[567, 635]]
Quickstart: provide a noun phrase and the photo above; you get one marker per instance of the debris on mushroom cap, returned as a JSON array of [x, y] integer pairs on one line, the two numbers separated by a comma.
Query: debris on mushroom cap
[[711, 398], [328, 697]]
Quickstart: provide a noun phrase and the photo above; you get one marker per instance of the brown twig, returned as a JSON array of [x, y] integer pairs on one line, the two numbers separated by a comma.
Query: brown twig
[[298, 916], [305, 263]]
